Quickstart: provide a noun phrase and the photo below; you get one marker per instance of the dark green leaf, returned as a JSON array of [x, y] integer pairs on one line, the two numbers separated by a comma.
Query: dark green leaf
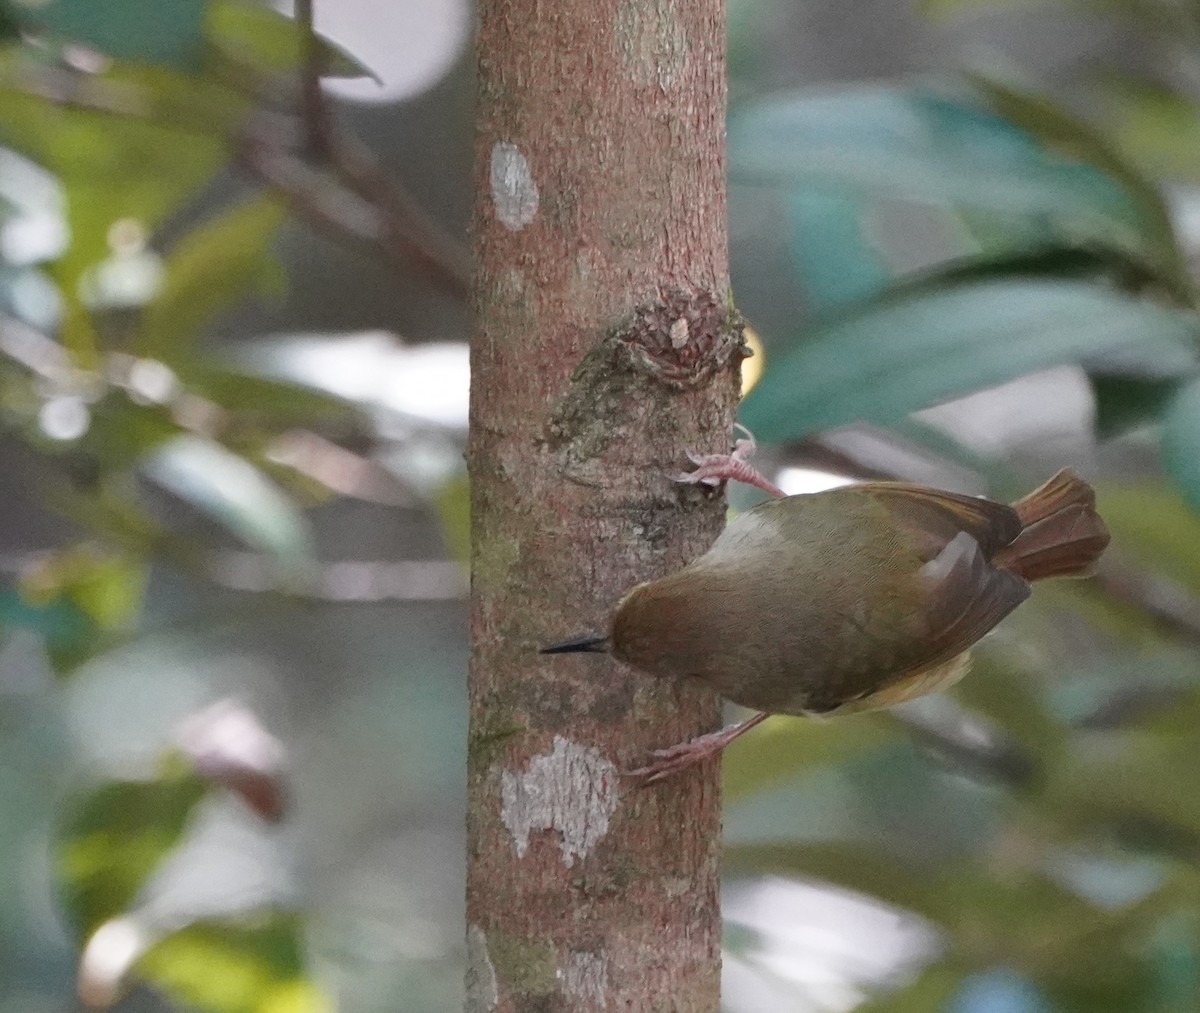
[[211, 269], [245, 965], [114, 839], [142, 30], [925, 344], [237, 495], [265, 40], [1125, 402], [786, 746], [1181, 441]]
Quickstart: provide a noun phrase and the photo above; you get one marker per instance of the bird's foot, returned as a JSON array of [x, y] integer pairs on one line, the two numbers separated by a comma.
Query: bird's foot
[[669, 761], [713, 469]]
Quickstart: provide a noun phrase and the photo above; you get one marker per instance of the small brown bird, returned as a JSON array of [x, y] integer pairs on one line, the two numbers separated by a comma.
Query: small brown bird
[[847, 600]]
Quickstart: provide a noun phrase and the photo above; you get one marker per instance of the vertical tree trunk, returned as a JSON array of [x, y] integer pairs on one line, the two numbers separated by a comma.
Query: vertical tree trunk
[[606, 347]]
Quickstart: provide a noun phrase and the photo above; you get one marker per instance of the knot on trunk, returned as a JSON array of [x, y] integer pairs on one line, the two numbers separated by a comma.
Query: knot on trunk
[[684, 338]]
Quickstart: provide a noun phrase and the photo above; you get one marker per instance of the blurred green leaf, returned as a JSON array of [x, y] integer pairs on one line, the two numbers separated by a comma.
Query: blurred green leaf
[[265, 404], [113, 169], [114, 838], [79, 600], [453, 505], [236, 494], [142, 30], [930, 991], [266, 40], [211, 269], [785, 746], [69, 634], [108, 587], [1071, 138], [853, 865], [1156, 126], [253, 964], [1181, 441], [927, 343], [946, 147], [1152, 521], [836, 257]]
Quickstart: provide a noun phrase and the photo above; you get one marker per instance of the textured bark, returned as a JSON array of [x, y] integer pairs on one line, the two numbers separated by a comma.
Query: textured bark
[[606, 347]]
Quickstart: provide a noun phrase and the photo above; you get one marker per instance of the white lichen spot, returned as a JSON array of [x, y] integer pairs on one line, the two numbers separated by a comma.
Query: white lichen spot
[[679, 333], [585, 979], [514, 193], [571, 790], [483, 993]]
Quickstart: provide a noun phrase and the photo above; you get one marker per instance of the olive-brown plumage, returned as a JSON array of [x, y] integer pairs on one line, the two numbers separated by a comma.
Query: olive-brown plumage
[[855, 598]]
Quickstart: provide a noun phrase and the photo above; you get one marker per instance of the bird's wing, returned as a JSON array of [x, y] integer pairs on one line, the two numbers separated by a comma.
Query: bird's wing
[[932, 518], [965, 598]]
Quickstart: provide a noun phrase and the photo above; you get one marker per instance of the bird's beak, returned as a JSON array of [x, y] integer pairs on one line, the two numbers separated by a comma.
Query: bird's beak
[[590, 643]]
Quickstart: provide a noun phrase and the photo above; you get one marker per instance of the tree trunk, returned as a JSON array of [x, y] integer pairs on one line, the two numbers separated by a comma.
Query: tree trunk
[[606, 347]]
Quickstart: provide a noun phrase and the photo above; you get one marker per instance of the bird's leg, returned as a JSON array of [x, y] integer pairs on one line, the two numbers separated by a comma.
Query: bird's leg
[[712, 469], [679, 757]]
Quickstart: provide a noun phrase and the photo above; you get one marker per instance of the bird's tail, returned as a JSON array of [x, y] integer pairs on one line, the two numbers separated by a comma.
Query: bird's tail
[[1061, 536]]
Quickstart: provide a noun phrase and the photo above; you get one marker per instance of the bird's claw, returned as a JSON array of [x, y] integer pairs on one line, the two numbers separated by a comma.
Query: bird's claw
[[713, 469]]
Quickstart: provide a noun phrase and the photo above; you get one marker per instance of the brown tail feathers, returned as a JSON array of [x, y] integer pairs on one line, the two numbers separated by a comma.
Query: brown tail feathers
[[1062, 535]]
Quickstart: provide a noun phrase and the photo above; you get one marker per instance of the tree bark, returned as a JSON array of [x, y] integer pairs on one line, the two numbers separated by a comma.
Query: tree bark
[[606, 346]]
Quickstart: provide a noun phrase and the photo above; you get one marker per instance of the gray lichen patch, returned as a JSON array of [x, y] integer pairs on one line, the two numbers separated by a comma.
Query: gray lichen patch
[[571, 790]]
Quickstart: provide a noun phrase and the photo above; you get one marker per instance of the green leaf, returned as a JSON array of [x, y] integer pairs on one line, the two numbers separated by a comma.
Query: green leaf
[[927, 343], [236, 494], [785, 746], [945, 147], [244, 965], [1070, 137], [113, 169], [264, 39], [1156, 126], [1181, 441], [264, 404], [149, 31], [70, 635], [930, 991], [836, 258], [853, 865], [114, 838], [1153, 522], [106, 586], [211, 269]]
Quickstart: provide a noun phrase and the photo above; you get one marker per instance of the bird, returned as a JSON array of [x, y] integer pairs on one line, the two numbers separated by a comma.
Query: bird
[[852, 599]]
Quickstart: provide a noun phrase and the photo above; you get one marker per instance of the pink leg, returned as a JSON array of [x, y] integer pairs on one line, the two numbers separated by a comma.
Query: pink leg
[[681, 756], [712, 469]]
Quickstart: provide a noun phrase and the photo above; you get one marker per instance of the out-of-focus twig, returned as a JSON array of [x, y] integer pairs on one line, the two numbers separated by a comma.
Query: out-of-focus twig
[[317, 118], [408, 233], [327, 177], [1170, 604]]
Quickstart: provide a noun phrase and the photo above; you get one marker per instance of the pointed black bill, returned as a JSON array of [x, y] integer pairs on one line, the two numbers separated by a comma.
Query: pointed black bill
[[590, 643]]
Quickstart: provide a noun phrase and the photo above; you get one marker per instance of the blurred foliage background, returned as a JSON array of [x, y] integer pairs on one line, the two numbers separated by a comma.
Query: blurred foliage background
[[232, 408]]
